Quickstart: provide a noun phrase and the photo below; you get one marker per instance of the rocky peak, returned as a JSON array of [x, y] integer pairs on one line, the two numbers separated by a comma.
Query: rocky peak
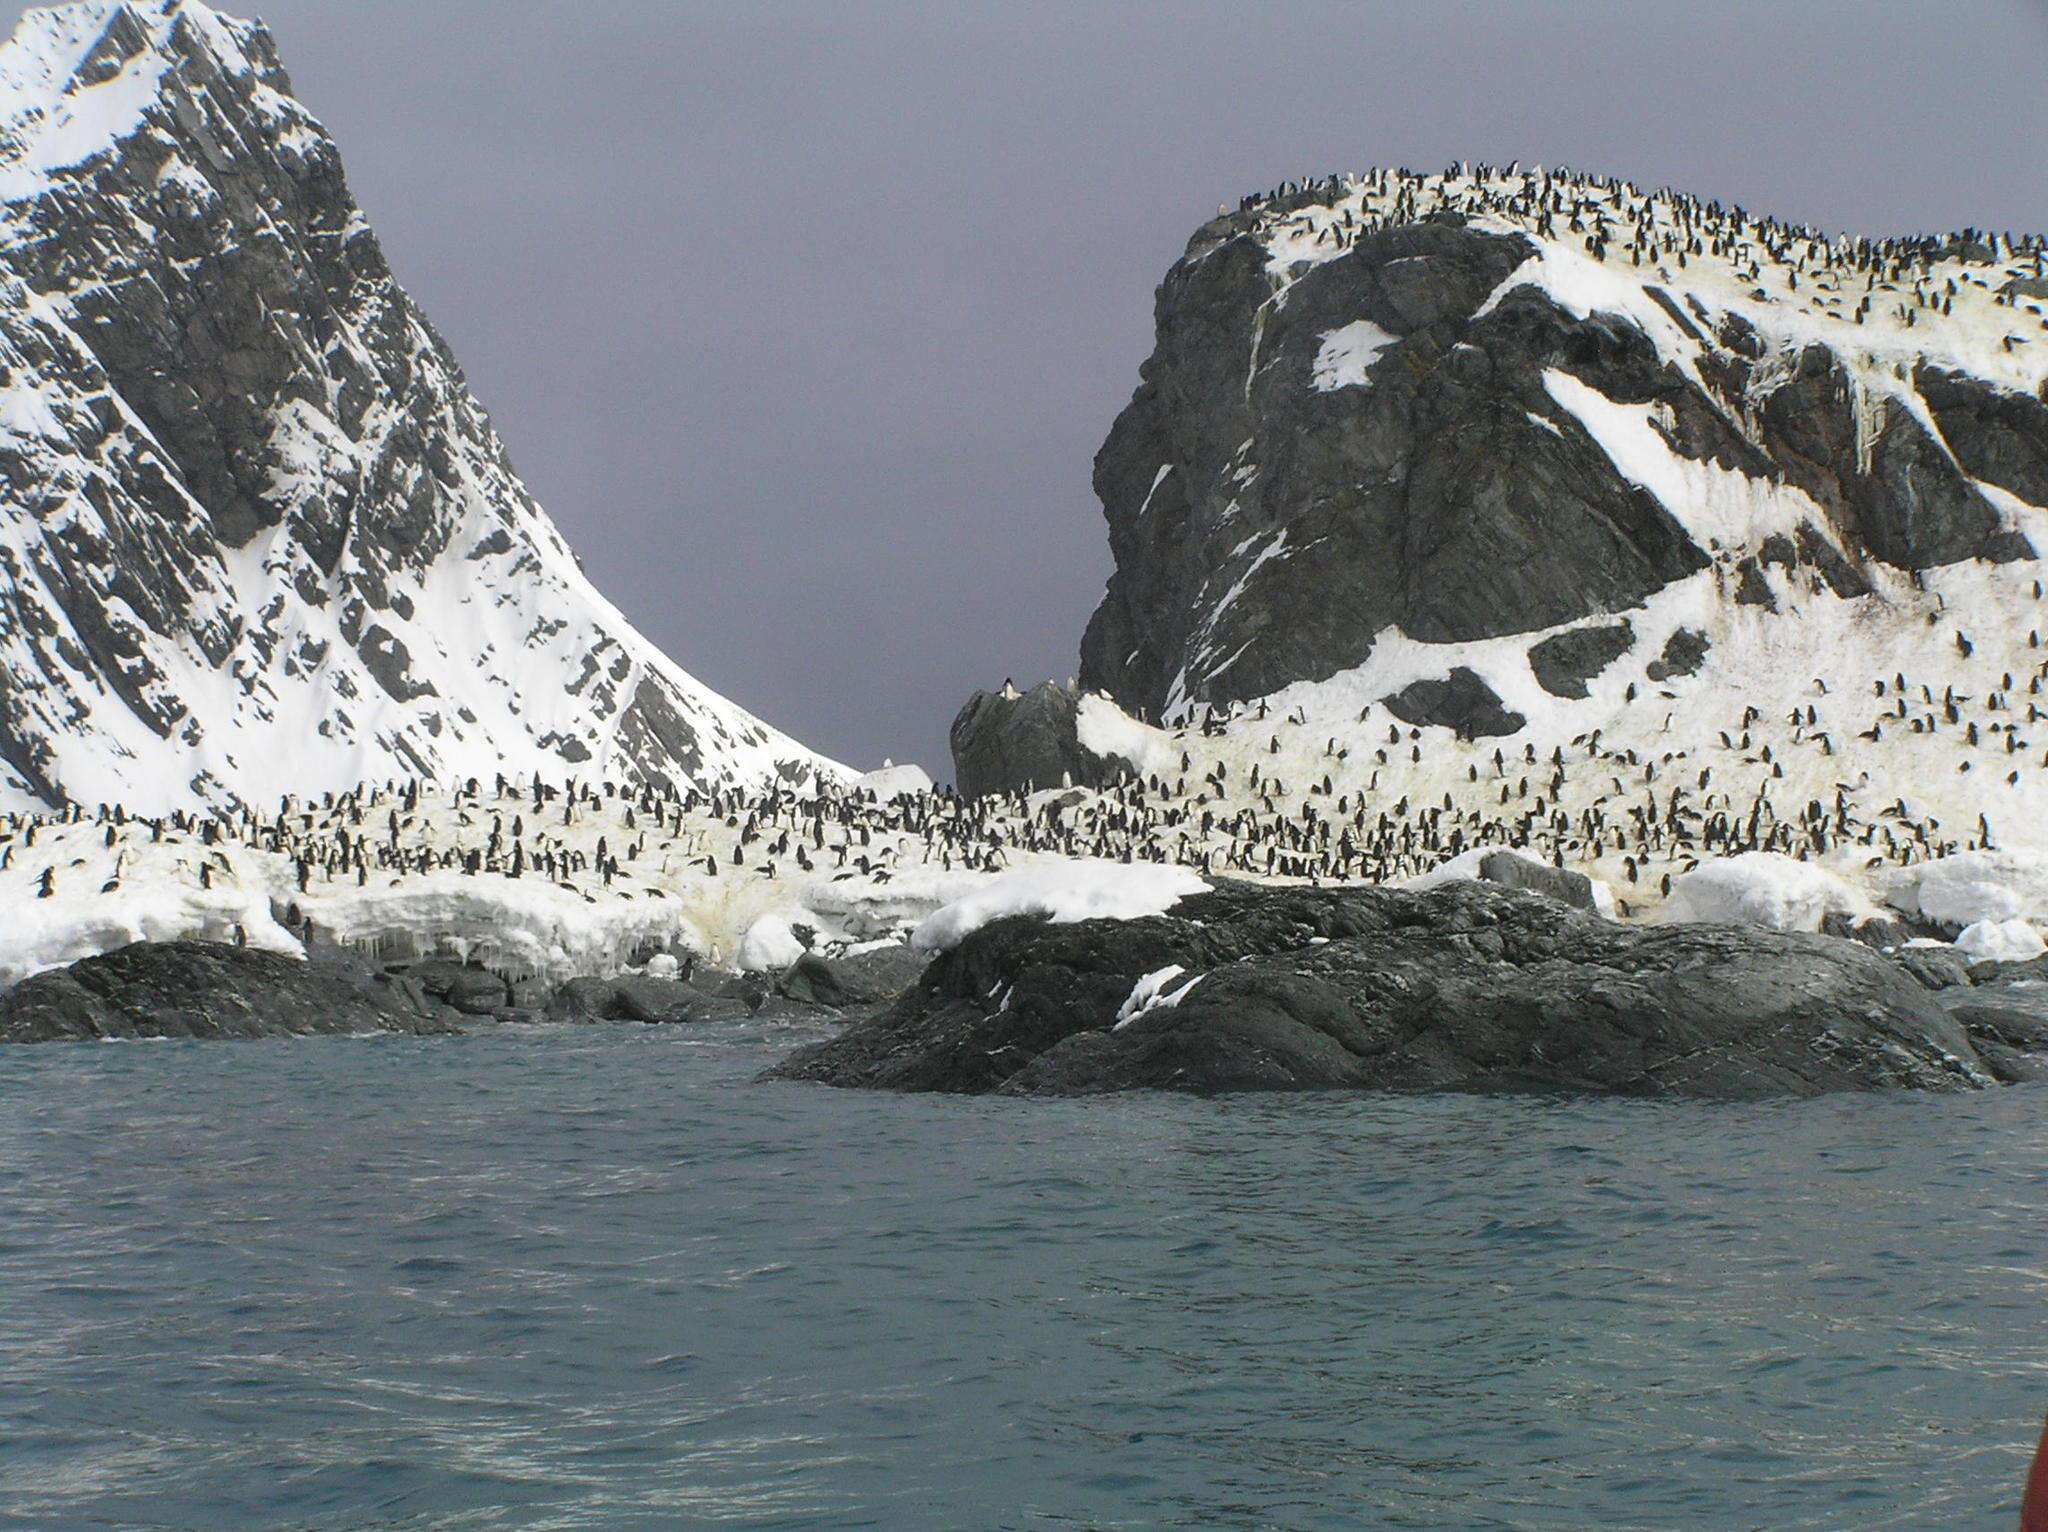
[[1451, 409], [256, 536]]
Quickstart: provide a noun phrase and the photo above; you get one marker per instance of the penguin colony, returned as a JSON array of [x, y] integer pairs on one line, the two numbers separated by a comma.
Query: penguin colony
[[1250, 792], [1995, 282]]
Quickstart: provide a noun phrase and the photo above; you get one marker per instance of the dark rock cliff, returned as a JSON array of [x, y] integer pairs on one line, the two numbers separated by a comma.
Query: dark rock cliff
[[1399, 403]]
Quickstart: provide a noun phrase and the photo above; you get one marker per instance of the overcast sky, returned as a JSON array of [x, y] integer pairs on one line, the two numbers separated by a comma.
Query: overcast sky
[[805, 321]]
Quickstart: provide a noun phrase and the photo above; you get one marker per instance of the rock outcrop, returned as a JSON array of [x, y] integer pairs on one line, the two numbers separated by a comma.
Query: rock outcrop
[[1469, 987], [1018, 742], [1492, 403], [256, 536], [2007, 1025]]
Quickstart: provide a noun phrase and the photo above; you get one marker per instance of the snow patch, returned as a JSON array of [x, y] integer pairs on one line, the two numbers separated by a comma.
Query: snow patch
[[2000, 941], [1715, 505], [893, 781], [771, 944], [1973, 888], [1347, 355], [1462, 868], [1063, 892], [1157, 991], [525, 927], [1104, 729], [1762, 888]]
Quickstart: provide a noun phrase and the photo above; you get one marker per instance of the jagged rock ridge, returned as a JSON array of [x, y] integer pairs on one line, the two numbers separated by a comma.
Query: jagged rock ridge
[[1446, 409], [256, 536]]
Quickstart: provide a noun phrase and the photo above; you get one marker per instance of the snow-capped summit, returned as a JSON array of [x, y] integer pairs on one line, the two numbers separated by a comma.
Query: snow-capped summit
[[256, 537]]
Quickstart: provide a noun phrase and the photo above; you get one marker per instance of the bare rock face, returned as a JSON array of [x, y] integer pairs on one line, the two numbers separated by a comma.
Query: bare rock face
[[1430, 500], [1565, 663], [256, 536], [1469, 987], [1460, 702], [1496, 403]]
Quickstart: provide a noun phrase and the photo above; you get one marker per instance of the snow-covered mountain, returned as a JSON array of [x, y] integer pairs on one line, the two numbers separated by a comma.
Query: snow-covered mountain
[[256, 537]]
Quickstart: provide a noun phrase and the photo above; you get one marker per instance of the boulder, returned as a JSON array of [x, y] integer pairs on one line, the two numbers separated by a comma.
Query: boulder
[[657, 1002], [1511, 869], [1006, 742], [2008, 1026], [1683, 653], [1880, 931], [729, 996], [467, 987], [2011, 1018], [839, 984], [2011, 1066], [583, 1000], [1465, 987], [203, 990], [634, 997], [1935, 968], [2027, 971], [1460, 702], [1565, 662]]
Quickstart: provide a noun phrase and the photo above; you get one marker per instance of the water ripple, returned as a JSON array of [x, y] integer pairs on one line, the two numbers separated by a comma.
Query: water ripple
[[549, 1279]]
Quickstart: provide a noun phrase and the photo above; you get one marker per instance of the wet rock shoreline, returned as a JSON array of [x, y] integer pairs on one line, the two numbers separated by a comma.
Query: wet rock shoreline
[[203, 990], [1469, 987], [1472, 986]]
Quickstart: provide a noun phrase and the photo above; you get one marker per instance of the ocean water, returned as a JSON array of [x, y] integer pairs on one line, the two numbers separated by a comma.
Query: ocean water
[[555, 1278]]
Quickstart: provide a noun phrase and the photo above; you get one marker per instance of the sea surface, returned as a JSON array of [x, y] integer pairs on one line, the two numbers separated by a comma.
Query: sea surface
[[598, 1278]]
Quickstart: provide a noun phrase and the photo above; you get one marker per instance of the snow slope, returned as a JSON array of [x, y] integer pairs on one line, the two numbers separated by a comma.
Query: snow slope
[[1873, 734], [256, 537]]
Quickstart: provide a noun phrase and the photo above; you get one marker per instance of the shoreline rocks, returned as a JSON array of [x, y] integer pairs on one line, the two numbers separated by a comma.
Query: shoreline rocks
[[1466, 987], [1469, 986], [204, 990]]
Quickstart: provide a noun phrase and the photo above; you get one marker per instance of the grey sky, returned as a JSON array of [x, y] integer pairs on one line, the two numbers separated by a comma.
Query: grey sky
[[805, 321]]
